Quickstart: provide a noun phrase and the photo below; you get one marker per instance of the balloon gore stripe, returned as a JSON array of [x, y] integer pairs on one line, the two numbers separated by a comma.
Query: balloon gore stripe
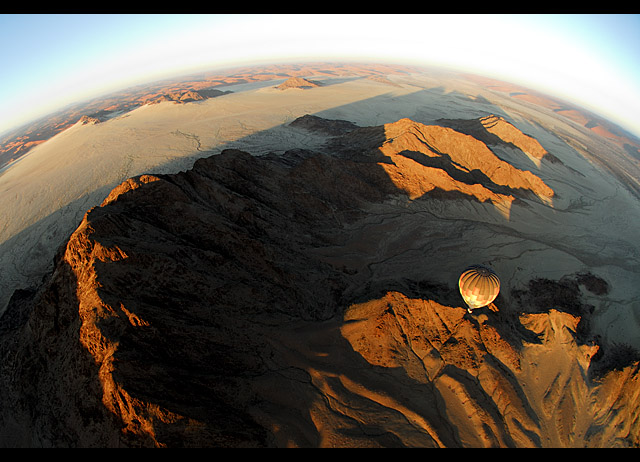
[[479, 286]]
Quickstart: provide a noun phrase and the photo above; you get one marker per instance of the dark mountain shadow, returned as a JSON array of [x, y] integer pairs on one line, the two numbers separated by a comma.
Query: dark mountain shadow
[[216, 254], [329, 81]]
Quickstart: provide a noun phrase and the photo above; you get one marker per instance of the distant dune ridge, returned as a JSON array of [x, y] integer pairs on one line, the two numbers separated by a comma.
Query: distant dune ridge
[[271, 300], [19, 141]]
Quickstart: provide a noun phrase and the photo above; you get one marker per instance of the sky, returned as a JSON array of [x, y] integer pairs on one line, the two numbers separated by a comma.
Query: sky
[[49, 61]]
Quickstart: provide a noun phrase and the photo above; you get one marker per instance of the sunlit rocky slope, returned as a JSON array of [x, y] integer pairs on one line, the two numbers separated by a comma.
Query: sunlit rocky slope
[[309, 299]]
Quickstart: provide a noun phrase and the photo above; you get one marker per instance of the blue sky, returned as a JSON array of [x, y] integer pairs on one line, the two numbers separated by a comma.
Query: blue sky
[[52, 60]]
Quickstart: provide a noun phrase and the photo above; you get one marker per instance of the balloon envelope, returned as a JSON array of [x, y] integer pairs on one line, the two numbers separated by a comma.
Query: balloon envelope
[[479, 286]]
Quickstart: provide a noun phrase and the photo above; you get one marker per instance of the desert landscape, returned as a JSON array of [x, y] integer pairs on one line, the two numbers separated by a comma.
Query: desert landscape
[[271, 257]]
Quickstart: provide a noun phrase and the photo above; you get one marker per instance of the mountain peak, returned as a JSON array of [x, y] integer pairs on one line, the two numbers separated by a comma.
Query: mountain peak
[[496, 130], [297, 82], [421, 158]]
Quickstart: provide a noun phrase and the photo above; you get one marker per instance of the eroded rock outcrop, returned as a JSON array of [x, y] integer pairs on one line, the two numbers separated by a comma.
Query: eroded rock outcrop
[[88, 120], [195, 309]]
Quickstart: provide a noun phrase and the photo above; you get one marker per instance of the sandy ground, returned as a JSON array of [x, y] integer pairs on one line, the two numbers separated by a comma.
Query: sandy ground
[[592, 223]]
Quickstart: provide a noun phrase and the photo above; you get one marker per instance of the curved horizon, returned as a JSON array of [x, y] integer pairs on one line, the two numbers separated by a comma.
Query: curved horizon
[[58, 60]]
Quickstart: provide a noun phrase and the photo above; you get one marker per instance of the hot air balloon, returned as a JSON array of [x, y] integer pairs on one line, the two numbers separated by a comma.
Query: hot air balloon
[[479, 286]]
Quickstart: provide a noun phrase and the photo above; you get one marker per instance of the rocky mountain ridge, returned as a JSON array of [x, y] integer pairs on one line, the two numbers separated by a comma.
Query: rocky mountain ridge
[[186, 96], [200, 309]]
